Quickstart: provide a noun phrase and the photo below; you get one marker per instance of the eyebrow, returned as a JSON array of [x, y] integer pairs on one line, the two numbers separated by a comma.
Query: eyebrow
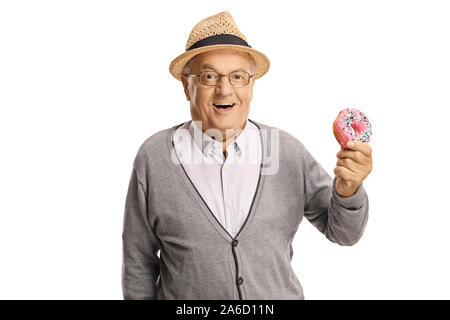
[[207, 66]]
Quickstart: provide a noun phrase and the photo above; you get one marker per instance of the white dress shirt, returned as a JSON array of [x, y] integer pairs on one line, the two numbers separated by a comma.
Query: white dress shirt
[[226, 184]]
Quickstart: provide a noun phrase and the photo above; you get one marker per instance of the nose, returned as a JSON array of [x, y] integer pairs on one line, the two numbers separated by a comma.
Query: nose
[[224, 86]]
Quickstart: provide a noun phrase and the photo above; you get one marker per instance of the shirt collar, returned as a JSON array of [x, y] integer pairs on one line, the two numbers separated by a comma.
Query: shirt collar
[[211, 147]]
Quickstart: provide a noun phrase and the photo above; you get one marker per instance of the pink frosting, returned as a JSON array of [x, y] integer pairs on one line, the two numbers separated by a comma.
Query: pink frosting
[[352, 124]]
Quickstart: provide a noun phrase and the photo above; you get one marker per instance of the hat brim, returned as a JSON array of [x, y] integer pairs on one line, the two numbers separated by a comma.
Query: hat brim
[[262, 63]]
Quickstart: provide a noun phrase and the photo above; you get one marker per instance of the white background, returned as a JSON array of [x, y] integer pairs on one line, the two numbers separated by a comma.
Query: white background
[[84, 83]]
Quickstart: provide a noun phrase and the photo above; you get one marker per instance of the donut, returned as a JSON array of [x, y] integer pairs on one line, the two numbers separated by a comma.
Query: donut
[[351, 124]]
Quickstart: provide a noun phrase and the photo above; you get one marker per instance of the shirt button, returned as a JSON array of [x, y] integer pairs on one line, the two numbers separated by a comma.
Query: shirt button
[[235, 243], [240, 281], [225, 166], [228, 204]]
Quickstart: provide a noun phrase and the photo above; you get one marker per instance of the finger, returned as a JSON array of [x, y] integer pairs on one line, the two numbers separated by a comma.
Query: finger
[[363, 147], [356, 156], [349, 163], [339, 152], [345, 174]]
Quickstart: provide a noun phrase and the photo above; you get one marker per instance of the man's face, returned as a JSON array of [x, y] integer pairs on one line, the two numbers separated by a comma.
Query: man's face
[[202, 98]]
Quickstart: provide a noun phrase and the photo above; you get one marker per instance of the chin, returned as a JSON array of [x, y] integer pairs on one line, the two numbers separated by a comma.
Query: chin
[[226, 124]]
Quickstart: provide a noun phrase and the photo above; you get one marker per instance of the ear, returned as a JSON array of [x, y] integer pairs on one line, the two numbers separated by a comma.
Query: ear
[[184, 80]]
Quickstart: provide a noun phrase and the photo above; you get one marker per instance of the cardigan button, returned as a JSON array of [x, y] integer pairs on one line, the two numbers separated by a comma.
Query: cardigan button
[[240, 281], [235, 243]]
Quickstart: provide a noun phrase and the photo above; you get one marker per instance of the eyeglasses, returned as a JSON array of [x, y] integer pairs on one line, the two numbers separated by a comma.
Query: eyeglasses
[[212, 78]]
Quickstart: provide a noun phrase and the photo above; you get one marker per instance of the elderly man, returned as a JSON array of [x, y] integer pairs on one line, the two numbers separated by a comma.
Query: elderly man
[[209, 214]]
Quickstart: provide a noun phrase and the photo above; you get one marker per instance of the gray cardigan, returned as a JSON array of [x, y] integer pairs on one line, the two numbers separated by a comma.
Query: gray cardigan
[[198, 258]]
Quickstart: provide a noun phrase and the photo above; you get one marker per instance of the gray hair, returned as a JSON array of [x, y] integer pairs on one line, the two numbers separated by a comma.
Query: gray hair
[[187, 66]]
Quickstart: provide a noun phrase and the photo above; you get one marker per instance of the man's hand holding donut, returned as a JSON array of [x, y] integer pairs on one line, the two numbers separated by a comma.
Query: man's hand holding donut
[[353, 165]]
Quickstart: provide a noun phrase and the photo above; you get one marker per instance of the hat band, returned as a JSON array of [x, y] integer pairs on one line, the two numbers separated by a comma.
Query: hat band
[[219, 39]]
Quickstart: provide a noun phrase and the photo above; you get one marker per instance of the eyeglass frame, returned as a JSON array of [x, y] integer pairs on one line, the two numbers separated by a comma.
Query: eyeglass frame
[[220, 77]]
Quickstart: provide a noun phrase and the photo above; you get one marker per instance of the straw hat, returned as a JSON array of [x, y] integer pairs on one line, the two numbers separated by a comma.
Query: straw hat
[[216, 32]]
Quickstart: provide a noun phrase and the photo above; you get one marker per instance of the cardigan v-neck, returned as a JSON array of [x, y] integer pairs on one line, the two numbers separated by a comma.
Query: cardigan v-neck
[[226, 184], [193, 189]]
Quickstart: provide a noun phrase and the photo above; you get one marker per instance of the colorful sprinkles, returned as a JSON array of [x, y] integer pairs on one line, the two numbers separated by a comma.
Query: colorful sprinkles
[[357, 125]]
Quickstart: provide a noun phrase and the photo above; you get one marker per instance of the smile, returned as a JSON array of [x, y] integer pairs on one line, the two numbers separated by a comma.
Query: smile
[[224, 107]]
